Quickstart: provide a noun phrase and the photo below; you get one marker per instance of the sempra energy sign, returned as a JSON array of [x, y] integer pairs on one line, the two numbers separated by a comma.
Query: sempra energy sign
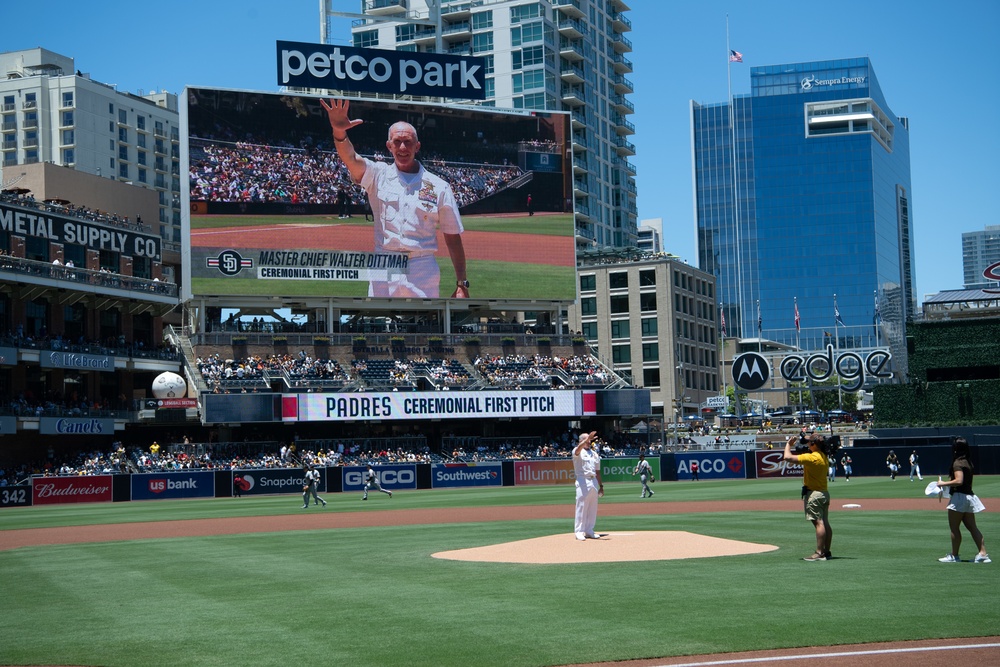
[[380, 71]]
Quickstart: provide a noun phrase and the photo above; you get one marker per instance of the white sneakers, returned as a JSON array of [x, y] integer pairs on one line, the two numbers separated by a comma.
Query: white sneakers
[[581, 536], [982, 558], [950, 558]]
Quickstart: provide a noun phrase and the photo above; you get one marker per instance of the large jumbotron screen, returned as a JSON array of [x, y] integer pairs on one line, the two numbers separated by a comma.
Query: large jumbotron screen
[[273, 210]]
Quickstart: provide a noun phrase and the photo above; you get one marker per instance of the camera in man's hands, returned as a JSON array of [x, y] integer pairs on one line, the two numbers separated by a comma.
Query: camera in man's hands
[[828, 445]]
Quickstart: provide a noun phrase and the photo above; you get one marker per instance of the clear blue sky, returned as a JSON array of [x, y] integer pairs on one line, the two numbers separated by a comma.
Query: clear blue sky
[[936, 65]]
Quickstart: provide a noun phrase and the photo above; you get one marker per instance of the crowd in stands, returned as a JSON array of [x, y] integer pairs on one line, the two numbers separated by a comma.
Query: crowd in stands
[[247, 171], [518, 370], [73, 210], [114, 346], [301, 369]]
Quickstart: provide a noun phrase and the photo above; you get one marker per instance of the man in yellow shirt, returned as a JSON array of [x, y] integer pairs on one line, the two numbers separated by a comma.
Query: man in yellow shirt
[[815, 496]]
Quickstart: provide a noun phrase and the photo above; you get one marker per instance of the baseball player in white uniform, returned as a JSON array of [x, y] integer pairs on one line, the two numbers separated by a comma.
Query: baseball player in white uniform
[[371, 479], [589, 487], [645, 472], [310, 482]]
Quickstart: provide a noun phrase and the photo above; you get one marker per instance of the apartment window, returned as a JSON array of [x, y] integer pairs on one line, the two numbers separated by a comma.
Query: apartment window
[[488, 67], [140, 157], [31, 119], [140, 122], [122, 116], [530, 101], [8, 102], [158, 128], [647, 278], [142, 176], [588, 283], [123, 153], [30, 101], [366, 39], [649, 326], [647, 302], [66, 119], [491, 87], [482, 42], [533, 55], [528, 80], [405, 33], [620, 329], [68, 156], [588, 306], [650, 377], [650, 352], [621, 354], [123, 170], [524, 12], [66, 137], [123, 134], [619, 304], [618, 280], [526, 34], [589, 330], [482, 20], [140, 140], [111, 108]]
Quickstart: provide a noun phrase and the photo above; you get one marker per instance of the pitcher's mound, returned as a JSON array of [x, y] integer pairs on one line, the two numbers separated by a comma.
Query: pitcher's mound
[[610, 548]]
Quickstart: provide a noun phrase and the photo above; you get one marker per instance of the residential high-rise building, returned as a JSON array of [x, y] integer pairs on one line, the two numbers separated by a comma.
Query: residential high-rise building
[[979, 250], [53, 113], [803, 199], [540, 54]]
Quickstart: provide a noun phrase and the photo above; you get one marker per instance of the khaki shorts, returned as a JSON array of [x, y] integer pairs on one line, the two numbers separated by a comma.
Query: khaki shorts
[[817, 505]]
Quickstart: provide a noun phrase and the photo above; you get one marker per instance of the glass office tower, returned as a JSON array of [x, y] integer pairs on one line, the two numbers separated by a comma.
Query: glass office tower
[[802, 192]]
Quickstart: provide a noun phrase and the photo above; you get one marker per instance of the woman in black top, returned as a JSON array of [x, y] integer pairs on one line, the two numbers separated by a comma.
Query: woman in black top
[[964, 504]]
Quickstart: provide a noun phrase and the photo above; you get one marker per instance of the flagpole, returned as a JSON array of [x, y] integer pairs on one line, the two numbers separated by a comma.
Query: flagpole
[[736, 203], [836, 342], [798, 343]]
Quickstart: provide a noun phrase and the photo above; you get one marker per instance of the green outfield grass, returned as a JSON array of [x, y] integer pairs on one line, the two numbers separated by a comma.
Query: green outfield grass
[[375, 596]]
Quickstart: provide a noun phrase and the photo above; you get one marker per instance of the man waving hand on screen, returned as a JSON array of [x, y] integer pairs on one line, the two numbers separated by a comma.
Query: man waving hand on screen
[[409, 204]]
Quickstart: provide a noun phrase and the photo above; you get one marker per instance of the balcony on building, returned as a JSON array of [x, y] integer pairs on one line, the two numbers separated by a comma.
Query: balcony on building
[[621, 64], [570, 8], [622, 125], [573, 96], [622, 85], [621, 44], [580, 164], [580, 188], [454, 31], [584, 233], [618, 6], [624, 147], [579, 142], [620, 22], [385, 7], [622, 105], [571, 73], [571, 28], [571, 49], [456, 10]]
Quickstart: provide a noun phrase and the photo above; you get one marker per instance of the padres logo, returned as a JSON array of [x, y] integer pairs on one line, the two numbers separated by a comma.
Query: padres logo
[[229, 262]]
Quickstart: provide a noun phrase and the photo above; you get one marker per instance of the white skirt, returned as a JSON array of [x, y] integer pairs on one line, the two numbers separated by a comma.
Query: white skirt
[[964, 502]]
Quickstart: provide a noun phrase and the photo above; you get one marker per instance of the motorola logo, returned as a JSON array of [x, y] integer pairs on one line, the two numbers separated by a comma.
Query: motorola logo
[[750, 371]]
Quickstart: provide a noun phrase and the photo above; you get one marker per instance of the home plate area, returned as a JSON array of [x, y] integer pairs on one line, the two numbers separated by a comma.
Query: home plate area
[[612, 547]]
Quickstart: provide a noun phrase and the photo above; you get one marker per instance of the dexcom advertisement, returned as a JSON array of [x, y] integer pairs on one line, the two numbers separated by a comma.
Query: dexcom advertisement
[[273, 208]]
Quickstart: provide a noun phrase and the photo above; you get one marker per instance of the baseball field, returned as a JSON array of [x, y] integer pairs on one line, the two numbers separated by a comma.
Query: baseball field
[[260, 581]]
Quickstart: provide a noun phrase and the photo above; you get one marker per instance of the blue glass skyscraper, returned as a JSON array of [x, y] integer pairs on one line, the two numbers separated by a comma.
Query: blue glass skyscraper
[[802, 193]]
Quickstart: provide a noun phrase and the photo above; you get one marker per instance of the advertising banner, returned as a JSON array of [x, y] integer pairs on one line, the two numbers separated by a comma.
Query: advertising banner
[[74, 360], [712, 465], [269, 481], [392, 477], [161, 485], [292, 221], [411, 405], [15, 496], [55, 228], [770, 463], [58, 490], [539, 473], [621, 470], [76, 426], [445, 475]]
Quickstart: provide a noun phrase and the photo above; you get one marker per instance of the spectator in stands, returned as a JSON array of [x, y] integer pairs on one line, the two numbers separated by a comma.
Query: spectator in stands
[[409, 204]]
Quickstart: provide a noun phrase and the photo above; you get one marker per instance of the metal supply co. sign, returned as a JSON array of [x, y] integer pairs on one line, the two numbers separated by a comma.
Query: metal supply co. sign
[[379, 71]]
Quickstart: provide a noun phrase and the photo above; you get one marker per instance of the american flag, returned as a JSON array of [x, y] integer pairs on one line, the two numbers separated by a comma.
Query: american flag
[[722, 318], [797, 321], [735, 56], [760, 322]]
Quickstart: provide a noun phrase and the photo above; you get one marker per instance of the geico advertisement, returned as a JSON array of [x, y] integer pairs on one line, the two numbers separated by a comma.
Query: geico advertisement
[[623, 470], [158, 485], [267, 481], [445, 475], [771, 463], [430, 405], [712, 465], [544, 472], [392, 477]]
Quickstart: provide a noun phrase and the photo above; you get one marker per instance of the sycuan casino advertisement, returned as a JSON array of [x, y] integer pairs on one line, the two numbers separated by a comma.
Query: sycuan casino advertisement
[[274, 211]]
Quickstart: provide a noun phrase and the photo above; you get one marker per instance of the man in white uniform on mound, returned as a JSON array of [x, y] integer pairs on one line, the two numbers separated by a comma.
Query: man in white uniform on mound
[[589, 487], [409, 204]]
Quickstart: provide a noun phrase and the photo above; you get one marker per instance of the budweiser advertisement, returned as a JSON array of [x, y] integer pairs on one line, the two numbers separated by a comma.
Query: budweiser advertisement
[[58, 490]]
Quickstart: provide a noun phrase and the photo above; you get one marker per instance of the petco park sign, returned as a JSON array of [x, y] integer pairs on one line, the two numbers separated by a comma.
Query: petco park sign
[[380, 71]]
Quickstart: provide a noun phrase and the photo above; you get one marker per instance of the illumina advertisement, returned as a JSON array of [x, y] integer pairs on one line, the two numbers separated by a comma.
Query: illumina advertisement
[[277, 208]]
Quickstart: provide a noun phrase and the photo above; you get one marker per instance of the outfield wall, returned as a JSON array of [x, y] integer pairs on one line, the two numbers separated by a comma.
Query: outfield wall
[[672, 466]]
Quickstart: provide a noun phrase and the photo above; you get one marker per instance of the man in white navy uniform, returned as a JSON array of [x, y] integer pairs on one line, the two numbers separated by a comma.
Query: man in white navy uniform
[[409, 205], [589, 487]]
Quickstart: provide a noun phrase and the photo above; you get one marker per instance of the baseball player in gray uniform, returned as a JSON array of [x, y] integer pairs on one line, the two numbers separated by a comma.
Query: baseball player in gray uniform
[[309, 484], [645, 472], [371, 479]]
